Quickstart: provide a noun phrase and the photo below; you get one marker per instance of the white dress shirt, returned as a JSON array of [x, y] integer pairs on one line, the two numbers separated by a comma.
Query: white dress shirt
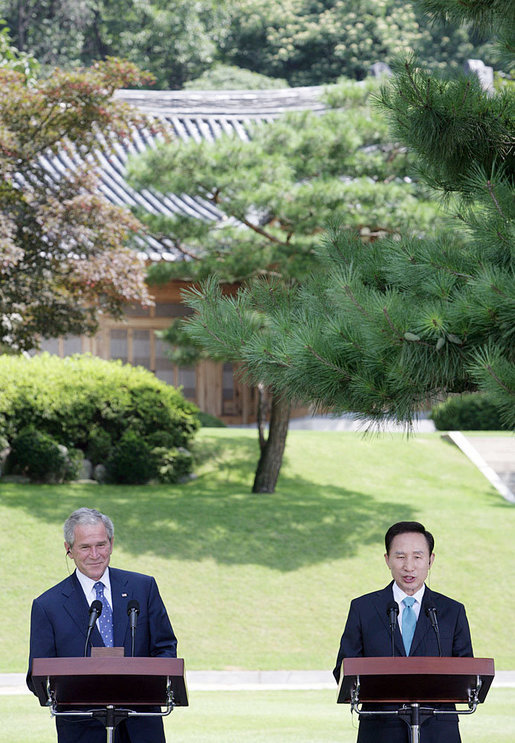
[[399, 596], [88, 586]]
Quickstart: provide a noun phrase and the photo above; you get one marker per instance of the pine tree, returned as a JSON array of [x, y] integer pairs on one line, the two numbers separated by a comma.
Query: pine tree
[[385, 327], [274, 194]]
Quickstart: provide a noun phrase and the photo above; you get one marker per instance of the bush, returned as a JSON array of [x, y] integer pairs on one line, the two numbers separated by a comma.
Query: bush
[[38, 456], [468, 412], [172, 465], [210, 421], [130, 461], [161, 439], [87, 403], [99, 446], [73, 464]]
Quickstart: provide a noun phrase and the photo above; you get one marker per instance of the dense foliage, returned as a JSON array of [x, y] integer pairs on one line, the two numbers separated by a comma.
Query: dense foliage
[[305, 42], [468, 412], [96, 406], [175, 41], [38, 456], [311, 43]]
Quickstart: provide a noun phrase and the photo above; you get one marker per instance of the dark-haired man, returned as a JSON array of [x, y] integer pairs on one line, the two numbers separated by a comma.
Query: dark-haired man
[[59, 620], [409, 555]]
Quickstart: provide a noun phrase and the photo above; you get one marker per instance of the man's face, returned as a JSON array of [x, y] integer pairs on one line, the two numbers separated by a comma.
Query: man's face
[[409, 561], [91, 549]]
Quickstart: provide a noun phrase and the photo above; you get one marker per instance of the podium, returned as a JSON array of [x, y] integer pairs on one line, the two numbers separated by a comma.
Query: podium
[[110, 689], [416, 684]]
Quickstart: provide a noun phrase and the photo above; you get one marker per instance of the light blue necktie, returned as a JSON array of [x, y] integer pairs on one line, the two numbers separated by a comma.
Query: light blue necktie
[[105, 620], [409, 621]]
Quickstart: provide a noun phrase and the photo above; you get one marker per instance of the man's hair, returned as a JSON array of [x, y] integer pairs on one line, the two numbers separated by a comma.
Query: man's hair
[[405, 527], [83, 516]]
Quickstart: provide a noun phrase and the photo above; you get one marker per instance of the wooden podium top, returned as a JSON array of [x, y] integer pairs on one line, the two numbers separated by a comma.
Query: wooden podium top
[[89, 682], [414, 679]]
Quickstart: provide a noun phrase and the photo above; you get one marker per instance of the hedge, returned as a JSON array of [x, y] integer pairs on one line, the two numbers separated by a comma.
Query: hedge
[[87, 403], [467, 412]]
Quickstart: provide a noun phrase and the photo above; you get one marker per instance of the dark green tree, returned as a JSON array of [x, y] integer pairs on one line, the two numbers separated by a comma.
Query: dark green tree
[[175, 41], [274, 194], [314, 42], [387, 326]]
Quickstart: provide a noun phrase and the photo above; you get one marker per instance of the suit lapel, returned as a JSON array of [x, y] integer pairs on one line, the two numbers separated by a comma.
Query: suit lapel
[[423, 625], [381, 600], [75, 604], [121, 595]]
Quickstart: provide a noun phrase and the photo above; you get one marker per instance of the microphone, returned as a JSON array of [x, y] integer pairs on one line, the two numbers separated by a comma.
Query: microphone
[[431, 613], [95, 610], [392, 611], [133, 611]]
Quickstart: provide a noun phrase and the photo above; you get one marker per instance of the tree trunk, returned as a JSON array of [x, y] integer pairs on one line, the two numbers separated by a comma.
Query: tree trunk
[[261, 416], [271, 458]]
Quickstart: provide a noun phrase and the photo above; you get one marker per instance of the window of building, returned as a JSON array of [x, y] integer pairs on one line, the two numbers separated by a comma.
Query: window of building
[[141, 348], [163, 367], [188, 381], [118, 345]]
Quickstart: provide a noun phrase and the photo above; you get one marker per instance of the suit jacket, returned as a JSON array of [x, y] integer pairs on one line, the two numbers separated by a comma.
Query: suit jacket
[[59, 622], [367, 634]]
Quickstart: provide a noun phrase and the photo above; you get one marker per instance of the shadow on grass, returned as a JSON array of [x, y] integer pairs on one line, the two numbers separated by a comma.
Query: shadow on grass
[[216, 517]]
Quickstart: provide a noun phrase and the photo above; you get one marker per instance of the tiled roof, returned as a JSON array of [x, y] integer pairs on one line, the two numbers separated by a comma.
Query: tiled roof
[[198, 115]]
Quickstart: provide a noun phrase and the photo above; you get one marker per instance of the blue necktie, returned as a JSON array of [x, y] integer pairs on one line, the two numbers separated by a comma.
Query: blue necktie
[[409, 621], [105, 620]]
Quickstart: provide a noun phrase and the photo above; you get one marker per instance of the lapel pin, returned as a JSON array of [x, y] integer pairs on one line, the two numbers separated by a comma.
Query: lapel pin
[[124, 595]]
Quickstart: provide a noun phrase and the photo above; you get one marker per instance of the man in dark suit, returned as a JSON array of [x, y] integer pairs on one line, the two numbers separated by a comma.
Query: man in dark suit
[[409, 555], [59, 620]]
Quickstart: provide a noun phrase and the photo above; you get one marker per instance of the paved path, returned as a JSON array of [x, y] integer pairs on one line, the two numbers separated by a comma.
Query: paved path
[[499, 453], [14, 683]]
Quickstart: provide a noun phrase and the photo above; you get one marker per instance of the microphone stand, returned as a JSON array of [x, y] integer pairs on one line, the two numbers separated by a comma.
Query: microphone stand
[[431, 613], [133, 611], [392, 610], [95, 610]]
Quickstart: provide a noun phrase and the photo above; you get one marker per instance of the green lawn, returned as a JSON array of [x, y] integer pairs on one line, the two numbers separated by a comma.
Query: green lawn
[[264, 581], [260, 717]]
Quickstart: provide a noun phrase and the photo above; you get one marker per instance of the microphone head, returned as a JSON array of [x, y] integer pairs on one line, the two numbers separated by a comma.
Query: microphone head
[[133, 605], [392, 606], [96, 606], [430, 610]]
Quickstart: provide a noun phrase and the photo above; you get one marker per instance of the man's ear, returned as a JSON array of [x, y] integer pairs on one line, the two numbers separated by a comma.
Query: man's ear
[[431, 559], [67, 548]]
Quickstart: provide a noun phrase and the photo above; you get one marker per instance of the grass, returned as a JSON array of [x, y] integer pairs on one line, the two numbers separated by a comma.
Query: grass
[[259, 717], [265, 581]]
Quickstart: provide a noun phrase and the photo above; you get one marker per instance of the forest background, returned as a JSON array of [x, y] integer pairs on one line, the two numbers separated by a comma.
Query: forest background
[[224, 44]]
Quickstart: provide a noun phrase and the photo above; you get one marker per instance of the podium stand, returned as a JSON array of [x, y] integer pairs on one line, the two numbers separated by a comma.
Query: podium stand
[[412, 682], [109, 688]]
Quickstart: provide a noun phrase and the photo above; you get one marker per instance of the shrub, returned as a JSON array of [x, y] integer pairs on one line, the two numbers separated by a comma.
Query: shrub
[[210, 421], [468, 412], [37, 455], [99, 445], [161, 439], [73, 464], [130, 461], [87, 403], [172, 465]]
